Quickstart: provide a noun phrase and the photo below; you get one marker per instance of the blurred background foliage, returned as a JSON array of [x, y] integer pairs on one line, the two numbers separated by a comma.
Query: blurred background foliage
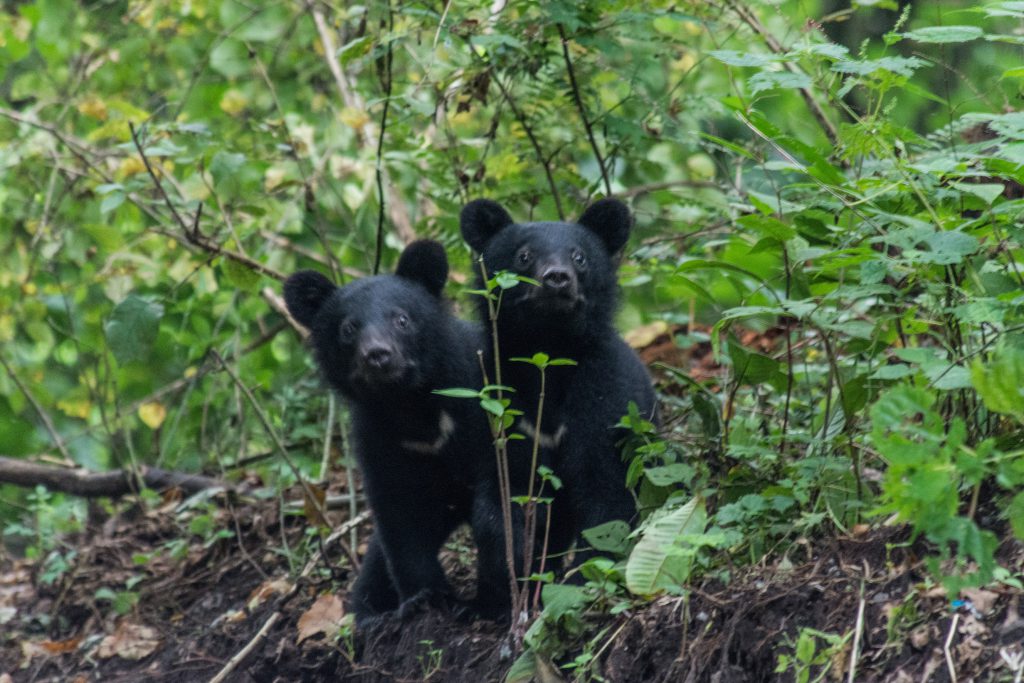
[[842, 180]]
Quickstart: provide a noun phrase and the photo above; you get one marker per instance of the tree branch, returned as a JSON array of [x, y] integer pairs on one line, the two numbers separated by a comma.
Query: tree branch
[[400, 220], [88, 484], [751, 20], [544, 162], [582, 110], [386, 80], [43, 415]]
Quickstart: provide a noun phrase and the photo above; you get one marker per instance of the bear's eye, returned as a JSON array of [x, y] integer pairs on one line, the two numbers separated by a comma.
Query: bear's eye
[[348, 329], [524, 256], [579, 258], [401, 321]]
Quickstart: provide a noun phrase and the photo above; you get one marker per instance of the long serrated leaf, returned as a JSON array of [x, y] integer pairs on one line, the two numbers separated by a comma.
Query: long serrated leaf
[[652, 566]]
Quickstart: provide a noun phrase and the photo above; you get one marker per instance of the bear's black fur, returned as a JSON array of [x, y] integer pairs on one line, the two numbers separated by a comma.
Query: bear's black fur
[[568, 314], [384, 343]]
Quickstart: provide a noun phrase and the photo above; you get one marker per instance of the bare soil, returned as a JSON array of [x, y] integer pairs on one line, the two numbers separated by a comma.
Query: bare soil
[[198, 609]]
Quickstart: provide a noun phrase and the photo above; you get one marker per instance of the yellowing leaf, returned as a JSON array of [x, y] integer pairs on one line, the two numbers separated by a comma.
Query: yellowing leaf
[[233, 102], [93, 107], [643, 336], [75, 407], [355, 118], [273, 177], [153, 414], [130, 166]]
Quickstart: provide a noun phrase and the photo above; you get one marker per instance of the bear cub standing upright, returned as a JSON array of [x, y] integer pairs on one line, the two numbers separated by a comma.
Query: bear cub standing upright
[[384, 343], [567, 314]]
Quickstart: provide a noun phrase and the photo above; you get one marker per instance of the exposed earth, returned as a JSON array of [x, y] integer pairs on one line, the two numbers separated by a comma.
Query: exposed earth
[[194, 614]]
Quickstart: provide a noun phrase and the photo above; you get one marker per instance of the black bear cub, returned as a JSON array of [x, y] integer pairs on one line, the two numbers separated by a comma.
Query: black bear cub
[[568, 314], [384, 343]]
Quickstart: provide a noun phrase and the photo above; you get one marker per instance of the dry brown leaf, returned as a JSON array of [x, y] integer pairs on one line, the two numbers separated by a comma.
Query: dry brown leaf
[[324, 616], [642, 336], [59, 647], [921, 636], [31, 649], [129, 641], [266, 590], [982, 599], [313, 496]]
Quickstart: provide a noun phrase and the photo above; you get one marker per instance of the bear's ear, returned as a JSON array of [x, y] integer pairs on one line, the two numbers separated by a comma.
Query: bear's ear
[[424, 261], [481, 220], [610, 220], [304, 293]]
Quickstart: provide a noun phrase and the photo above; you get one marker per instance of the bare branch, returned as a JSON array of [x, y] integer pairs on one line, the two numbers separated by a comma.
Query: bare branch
[[544, 161], [386, 81], [58, 442], [582, 110], [751, 20], [396, 209], [87, 484]]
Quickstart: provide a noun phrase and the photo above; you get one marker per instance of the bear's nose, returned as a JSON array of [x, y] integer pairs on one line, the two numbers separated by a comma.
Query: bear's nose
[[556, 278], [378, 356]]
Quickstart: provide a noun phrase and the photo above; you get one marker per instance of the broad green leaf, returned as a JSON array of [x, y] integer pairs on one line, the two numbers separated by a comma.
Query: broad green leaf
[[610, 537], [132, 328], [945, 34], [1015, 513], [651, 566], [770, 80], [1000, 382], [734, 58]]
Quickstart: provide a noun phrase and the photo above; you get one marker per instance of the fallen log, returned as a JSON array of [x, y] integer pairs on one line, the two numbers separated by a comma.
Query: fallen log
[[87, 484]]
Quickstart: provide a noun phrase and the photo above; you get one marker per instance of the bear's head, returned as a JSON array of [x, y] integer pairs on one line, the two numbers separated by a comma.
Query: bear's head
[[574, 265], [378, 336]]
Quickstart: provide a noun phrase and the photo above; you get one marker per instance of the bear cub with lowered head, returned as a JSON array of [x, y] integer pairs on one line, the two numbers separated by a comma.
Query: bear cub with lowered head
[[384, 343], [568, 314]]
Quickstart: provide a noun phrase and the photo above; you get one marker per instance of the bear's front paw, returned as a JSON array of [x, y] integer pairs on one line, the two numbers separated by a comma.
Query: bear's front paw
[[423, 601]]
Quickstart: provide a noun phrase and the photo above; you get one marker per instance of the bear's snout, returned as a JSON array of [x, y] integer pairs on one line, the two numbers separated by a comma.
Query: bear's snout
[[556, 277], [378, 357]]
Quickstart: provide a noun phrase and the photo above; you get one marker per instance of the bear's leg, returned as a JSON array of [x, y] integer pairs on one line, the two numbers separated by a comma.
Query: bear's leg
[[411, 543], [493, 600], [597, 492], [373, 592]]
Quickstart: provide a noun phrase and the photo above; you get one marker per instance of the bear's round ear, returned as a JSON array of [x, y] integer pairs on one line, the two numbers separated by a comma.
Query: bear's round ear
[[425, 262], [304, 293], [610, 220], [481, 220]]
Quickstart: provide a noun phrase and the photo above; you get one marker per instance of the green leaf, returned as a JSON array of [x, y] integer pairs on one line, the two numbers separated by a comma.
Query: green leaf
[[945, 34], [667, 475], [734, 58], [1015, 513], [949, 247], [610, 537], [355, 49], [111, 202], [523, 669], [987, 192], [770, 80], [1000, 382], [493, 406], [560, 599], [132, 328], [652, 567], [457, 393]]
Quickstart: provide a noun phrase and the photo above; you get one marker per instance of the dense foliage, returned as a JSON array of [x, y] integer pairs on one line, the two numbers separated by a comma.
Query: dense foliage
[[843, 182]]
